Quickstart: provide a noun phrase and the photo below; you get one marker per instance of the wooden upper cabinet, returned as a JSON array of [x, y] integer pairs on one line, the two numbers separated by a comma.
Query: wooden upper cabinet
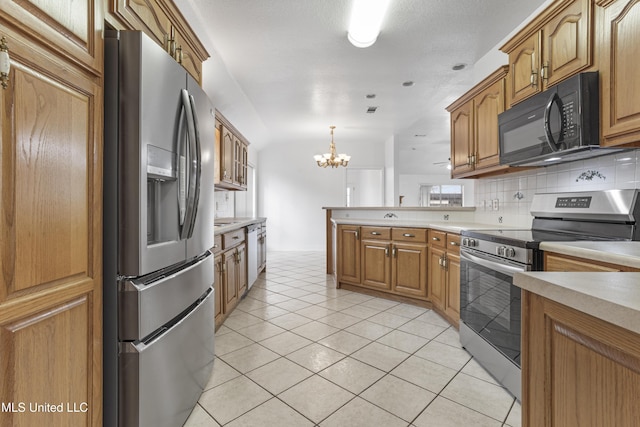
[[618, 51], [70, 28], [554, 46], [524, 61], [227, 161], [567, 43], [232, 157], [486, 106], [475, 147], [461, 139], [162, 21]]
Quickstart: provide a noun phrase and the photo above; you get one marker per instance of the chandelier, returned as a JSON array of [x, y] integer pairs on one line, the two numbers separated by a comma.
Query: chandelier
[[330, 158]]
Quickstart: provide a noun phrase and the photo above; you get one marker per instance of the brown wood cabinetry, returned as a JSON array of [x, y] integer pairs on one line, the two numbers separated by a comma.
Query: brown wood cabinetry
[[391, 260], [262, 247], [348, 254], [444, 274], [51, 211], [232, 153], [576, 369], [561, 262], [230, 271], [162, 21], [617, 52], [474, 128], [554, 46]]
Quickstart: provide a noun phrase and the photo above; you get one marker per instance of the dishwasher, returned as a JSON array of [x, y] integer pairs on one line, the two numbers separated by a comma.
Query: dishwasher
[[252, 254]]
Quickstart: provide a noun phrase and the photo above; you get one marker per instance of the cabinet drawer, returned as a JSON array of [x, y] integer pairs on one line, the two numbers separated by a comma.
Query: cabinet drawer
[[217, 243], [409, 234], [383, 233], [453, 243], [232, 238], [438, 239]]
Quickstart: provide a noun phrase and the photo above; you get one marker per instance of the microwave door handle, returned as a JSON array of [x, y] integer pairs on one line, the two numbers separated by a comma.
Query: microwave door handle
[[181, 166], [188, 219], [553, 145], [197, 166]]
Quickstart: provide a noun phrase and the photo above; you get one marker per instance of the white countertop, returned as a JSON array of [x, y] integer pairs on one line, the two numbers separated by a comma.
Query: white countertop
[[621, 253], [223, 225], [448, 226], [612, 297]]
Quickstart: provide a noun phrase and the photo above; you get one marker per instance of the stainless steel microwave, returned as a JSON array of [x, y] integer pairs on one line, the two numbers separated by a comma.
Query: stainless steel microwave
[[560, 124]]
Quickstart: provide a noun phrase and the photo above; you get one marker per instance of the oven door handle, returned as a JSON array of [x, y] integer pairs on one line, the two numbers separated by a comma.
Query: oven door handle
[[502, 268]]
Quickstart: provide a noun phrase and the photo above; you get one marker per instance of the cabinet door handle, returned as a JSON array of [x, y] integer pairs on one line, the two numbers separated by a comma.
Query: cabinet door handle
[[544, 71], [534, 78], [454, 244], [409, 235], [375, 233], [394, 252], [5, 63], [386, 251], [358, 234], [435, 239]]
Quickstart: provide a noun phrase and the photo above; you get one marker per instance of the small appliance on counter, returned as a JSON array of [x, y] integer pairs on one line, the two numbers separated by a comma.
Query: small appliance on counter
[[490, 305], [158, 229]]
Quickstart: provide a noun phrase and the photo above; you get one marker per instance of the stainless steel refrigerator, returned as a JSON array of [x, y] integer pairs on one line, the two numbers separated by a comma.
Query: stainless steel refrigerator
[[158, 229]]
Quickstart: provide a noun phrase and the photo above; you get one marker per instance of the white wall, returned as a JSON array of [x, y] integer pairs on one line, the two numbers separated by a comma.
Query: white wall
[[293, 191]]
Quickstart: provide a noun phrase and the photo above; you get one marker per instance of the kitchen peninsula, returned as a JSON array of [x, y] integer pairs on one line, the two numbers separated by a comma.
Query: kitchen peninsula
[[580, 348]]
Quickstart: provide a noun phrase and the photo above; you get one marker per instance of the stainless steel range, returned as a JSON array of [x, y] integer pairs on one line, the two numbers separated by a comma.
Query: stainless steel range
[[490, 303]]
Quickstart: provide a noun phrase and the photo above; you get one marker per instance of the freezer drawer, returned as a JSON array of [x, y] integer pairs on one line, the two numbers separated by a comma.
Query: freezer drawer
[[149, 302], [161, 380]]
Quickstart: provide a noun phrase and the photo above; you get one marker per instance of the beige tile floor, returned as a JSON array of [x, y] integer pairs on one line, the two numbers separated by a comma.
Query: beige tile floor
[[298, 352]]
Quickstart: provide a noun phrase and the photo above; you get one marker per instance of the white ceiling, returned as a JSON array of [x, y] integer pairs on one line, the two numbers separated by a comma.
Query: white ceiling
[[292, 64]]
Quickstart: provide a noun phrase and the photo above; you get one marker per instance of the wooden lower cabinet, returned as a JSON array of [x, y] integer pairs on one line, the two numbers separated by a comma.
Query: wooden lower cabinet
[[376, 265], [218, 280], [577, 370], [348, 254], [393, 260], [444, 274], [231, 280], [409, 269]]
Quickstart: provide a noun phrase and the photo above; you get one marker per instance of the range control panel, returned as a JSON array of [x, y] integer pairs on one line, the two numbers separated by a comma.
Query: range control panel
[[573, 202]]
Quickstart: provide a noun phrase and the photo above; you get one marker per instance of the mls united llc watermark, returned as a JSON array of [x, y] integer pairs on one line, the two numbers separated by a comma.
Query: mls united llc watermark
[[33, 407]]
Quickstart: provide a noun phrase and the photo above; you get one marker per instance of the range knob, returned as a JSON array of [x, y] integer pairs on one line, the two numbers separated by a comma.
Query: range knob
[[465, 241], [473, 242], [500, 250], [509, 252]]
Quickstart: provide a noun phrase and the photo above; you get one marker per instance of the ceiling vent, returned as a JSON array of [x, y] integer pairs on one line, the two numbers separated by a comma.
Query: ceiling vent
[[371, 110]]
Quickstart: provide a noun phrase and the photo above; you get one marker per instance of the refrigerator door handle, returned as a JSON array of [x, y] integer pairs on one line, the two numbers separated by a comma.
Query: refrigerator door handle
[[197, 167], [182, 165], [191, 165]]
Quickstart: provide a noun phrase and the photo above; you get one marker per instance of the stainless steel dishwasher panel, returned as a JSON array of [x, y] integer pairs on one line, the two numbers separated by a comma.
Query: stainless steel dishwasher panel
[[162, 379]]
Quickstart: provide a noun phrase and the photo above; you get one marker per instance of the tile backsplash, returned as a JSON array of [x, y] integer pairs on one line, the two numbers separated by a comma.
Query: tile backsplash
[[514, 192]]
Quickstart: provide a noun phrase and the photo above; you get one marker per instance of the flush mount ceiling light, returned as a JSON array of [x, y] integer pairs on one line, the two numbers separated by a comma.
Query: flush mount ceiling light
[[366, 19], [330, 158]]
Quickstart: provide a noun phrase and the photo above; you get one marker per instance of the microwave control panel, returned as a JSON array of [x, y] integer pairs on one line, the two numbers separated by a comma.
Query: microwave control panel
[[569, 124]]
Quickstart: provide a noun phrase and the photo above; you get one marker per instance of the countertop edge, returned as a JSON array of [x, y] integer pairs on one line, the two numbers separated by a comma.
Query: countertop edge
[[403, 208], [574, 249], [235, 224], [453, 226], [613, 296]]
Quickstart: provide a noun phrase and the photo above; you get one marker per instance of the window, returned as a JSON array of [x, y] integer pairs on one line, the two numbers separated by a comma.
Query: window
[[441, 195]]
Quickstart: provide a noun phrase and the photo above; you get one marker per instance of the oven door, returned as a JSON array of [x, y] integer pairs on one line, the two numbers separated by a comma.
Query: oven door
[[489, 302]]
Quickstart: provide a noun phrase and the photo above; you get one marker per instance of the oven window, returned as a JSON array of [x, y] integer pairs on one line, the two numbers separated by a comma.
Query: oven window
[[490, 305]]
